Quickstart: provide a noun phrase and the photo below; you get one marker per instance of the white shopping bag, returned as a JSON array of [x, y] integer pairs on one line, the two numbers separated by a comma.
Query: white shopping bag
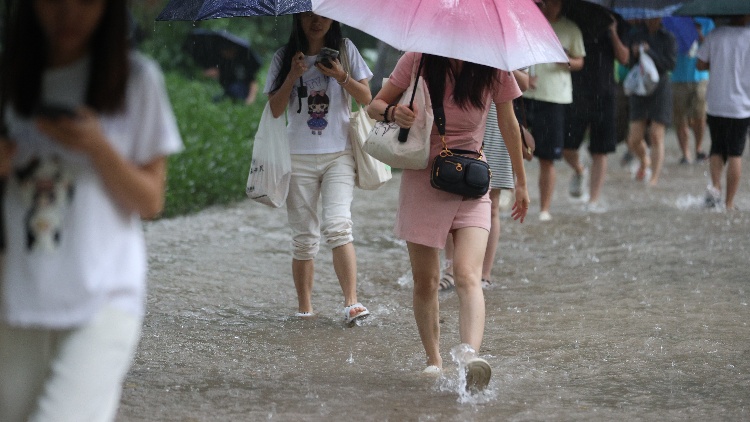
[[271, 164], [643, 78]]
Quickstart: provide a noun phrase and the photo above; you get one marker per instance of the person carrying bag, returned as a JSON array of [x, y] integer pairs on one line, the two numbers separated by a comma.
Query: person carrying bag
[[306, 77], [461, 93]]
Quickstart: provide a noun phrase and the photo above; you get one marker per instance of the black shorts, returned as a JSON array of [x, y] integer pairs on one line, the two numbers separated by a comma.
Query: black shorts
[[728, 136], [596, 113], [547, 124]]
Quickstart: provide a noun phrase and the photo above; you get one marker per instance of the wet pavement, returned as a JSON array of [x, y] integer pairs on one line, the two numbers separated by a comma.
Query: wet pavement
[[638, 313]]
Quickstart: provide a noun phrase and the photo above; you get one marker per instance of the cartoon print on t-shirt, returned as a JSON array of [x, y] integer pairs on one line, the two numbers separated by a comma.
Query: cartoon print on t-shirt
[[317, 108], [46, 191]]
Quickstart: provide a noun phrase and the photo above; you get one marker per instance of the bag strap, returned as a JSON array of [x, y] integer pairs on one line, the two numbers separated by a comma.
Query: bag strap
[[439, 112], [344, 58], [523, 116], [403, 133]]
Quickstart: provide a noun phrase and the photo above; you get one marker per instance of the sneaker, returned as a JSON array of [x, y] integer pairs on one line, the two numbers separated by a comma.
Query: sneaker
[[700, 157], [713, 197], [432, 370], [684, 160], [576, 185], [478, 374], [595, 208], [545, 216], [626, 159]]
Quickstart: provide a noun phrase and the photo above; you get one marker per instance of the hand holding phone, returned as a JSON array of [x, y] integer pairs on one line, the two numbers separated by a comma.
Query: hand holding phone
[[326, 56]]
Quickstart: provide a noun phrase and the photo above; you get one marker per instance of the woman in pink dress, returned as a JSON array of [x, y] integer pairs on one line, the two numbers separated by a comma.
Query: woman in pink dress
[[426, 215]]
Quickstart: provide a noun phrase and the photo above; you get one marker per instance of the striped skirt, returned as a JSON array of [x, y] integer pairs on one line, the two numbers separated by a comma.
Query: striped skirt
[[497, 154]]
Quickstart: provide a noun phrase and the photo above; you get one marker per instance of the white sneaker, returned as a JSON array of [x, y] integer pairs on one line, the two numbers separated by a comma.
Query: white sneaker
[[545, 216], [478, 374], [576, 185], [595, 208]]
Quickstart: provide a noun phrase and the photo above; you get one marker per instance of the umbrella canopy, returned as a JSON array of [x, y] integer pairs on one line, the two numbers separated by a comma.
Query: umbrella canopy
[[631, 13], [196, 10], [505, 34], [206, 47], [639, 4], [715, 8], [592, 18], [684, 31]]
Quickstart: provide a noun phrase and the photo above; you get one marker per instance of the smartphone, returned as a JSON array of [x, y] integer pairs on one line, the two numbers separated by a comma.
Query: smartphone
[[54, 111], [326, 55]]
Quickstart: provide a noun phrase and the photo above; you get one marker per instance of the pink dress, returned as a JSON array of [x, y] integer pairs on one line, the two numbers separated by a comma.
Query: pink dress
[[426, 215]]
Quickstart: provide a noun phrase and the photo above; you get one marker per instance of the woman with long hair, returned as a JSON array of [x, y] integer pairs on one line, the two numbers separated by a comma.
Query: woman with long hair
[[89, 129], [426, 215], [323, 168]]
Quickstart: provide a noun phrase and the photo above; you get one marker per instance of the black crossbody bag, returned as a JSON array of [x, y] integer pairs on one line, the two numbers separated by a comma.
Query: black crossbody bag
[[456, 170]]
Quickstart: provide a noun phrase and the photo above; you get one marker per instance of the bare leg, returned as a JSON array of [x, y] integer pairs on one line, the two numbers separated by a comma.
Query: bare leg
[[716, 168], [657, 151], [734, 172], [699, 128], [303, 274], [448, 253], [572, 158], [345, 265], [425, 267], [598, 174], [637, 145], [470, 245], [546, 183], [494, 236], [683, 135]]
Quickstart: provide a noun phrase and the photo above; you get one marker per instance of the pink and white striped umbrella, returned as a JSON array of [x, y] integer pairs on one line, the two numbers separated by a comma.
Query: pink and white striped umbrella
[[506, 34]]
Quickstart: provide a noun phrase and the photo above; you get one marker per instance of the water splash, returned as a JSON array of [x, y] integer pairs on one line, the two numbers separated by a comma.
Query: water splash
[[461, 355]]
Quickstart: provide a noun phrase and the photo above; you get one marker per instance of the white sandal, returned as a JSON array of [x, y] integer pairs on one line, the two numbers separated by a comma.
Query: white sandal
[[478, 374], [350, 317], [446, 283]]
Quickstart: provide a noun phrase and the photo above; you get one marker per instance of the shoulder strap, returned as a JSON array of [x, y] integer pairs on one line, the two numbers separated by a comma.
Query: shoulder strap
[[344, 56], [346, 64]]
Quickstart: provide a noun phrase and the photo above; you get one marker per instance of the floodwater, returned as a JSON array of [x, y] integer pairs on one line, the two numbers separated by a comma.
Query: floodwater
[[639, 313]]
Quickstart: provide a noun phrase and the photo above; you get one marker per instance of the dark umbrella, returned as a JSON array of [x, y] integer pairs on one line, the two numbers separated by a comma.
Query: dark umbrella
[[206, 46], [195, 10], [642, 4], [642, 9], [591, 18], [715, 8]]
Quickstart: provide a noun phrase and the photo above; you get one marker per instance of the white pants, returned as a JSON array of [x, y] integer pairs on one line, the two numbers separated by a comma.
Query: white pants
[[66, 375], [326, 176]]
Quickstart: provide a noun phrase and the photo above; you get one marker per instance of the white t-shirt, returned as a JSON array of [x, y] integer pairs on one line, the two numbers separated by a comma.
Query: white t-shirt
[[554, 83], [71, 248], [727, 51], [322, 126]]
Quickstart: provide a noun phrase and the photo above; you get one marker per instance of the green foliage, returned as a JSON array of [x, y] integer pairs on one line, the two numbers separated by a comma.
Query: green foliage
[[218, 137]]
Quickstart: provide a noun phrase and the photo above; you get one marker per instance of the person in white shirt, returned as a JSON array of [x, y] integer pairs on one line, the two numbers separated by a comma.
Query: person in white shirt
[[726, 52], [89, 131], [323, 166]]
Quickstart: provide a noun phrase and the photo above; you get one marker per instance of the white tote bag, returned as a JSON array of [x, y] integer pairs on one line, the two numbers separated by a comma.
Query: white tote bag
[[643, 78], [271, 165], [383, 143], [371, 173]]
